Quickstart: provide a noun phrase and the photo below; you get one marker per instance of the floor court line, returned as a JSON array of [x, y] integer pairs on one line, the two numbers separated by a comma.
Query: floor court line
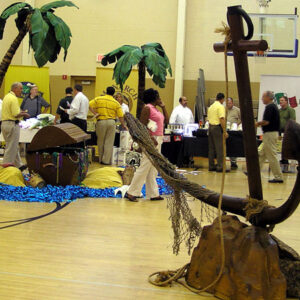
[[158, 290]]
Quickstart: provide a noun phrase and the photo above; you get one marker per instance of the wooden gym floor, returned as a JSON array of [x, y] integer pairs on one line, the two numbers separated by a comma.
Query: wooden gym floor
[[106, 248]]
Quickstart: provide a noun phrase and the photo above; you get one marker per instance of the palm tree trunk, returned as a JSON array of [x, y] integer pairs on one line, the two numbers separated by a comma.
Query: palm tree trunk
[[141, 87], [11, 52]]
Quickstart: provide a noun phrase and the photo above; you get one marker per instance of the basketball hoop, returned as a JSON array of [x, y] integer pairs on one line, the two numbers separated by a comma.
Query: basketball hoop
[[260, 56], [261, 53]]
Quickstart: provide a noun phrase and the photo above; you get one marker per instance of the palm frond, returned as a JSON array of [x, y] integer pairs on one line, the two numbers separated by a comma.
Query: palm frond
[[124, 65], [160, 50], [21, 19], [49, 49], [56, 4], [156, 66], [13, 9], [116, 54], [39, 30], [62, 31]]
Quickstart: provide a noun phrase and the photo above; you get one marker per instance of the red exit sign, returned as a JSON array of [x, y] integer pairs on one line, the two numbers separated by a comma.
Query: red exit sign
[[99, 58]]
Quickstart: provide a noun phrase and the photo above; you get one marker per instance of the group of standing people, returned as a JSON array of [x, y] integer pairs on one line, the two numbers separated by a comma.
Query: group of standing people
[[273, 123], [106, 109], [70, 109], [110, 107], [11, 113], [73, 110]]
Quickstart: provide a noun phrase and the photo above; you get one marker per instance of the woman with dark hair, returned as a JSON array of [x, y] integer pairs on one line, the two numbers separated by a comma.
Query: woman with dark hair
[[146, 173]]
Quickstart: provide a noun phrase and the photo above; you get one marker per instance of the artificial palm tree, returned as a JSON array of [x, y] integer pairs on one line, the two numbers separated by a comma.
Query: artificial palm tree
[[47, 32], [150, 57]]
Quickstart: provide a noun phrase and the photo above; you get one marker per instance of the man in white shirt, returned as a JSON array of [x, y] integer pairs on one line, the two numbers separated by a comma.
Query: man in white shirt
[[181, 114], [79, 108]]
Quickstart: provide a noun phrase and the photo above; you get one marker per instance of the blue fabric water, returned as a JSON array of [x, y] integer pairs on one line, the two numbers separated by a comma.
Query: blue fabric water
[[69, 193]]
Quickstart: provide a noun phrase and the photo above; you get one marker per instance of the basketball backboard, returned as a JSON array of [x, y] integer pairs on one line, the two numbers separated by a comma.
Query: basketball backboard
[[279, 30]]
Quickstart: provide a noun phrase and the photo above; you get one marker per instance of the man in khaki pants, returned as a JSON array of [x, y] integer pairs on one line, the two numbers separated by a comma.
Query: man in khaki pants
[[216, 119], [270, 127], [10, 128], [107, 109]]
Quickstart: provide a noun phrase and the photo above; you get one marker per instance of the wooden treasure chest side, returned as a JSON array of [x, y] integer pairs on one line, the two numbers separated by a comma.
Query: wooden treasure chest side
[[55, 155]]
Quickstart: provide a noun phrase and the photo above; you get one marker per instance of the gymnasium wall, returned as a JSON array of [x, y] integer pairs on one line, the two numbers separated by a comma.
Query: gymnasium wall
[[101, 26], [206, 15]]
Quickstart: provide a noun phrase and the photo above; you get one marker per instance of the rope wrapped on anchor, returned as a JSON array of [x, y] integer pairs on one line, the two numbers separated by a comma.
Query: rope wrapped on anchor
[[254, 207]]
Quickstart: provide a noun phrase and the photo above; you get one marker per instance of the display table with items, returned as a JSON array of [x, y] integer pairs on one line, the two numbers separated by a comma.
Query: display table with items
[[30, 127], [122, 153], [181, 148]]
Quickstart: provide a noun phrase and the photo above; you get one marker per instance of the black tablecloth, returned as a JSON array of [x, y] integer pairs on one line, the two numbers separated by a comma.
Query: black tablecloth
[[179, 152]]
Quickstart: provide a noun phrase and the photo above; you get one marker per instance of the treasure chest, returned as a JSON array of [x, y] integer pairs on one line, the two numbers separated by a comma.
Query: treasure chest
[[58, 154]]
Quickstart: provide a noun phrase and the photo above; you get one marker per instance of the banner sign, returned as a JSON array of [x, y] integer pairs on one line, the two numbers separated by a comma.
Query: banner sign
[[130, 89]]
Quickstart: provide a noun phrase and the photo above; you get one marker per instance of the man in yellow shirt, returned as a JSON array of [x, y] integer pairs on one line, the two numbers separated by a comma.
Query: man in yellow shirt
[[216, 119], [10, 125], [107, 110]]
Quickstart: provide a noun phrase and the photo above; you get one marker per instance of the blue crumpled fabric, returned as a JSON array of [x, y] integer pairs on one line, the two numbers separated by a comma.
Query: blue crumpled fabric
[[68, 193]]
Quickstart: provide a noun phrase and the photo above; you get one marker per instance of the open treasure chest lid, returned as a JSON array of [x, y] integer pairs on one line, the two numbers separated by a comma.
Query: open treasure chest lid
[[57, 135]]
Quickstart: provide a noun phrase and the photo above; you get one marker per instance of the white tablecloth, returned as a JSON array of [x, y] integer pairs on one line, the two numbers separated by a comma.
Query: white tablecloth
[[26, 135]]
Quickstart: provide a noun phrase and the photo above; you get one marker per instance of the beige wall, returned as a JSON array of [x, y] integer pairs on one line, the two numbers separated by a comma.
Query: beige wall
[[214, 87], [57, 90], [202, 19], [101, 26]]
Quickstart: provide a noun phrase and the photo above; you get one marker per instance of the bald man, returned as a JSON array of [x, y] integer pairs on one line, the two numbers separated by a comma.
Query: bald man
[[181, 114], [11, 115], [270, 126]]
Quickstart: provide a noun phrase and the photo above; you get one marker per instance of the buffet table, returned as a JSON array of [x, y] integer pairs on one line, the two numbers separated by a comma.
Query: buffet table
[[179, 150]]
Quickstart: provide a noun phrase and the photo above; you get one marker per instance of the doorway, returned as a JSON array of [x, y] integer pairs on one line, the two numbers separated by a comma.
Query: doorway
[[88, 84]]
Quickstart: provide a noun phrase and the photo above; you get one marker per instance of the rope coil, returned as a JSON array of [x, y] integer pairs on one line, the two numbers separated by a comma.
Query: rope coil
[[254, 207]]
